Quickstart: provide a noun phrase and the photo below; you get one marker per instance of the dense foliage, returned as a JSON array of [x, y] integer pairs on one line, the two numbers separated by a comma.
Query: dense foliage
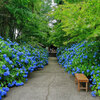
[[23, 18], [79, 20], [83, 58], [59, 1], [17, 61]]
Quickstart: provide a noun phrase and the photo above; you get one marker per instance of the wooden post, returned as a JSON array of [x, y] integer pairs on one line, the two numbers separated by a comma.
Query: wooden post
[[86, 86], [78, 86], [75, 80]]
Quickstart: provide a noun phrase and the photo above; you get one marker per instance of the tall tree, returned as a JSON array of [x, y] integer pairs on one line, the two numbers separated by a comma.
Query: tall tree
[[29, 19], [80, 20]]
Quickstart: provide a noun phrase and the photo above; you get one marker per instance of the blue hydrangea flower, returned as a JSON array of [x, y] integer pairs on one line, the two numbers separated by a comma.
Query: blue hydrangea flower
[[29, 54], [78, 69], [10, 62], [73, 69], [25, 76], [12, 66], [4, 93], [6, 73], [17, 58], [97, 75], [93, 93], [85, 57], [91, 85], [98, 87], [0, 91], [92, 72], [22, 60], [26, 61], [19, 84], [7, 69], [5, 89], [98, 71], [26, 72], [82, 72], [94, 80], [0, 97], [14, 82], [90, 79], [13, 56], [7, 59], [10, 85], [21, 71], [4, 55], [88, 70], [3, 66], [26, 80], [73, 74], [17, 74], [68, 72], [81, 61]]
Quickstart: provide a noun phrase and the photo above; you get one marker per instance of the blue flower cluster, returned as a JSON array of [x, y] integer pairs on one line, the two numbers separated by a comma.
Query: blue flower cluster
[[17, 61], [83, 58], [3, 92]]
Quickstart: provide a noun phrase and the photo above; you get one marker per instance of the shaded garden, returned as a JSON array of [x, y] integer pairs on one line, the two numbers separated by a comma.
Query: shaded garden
[[25, 29]]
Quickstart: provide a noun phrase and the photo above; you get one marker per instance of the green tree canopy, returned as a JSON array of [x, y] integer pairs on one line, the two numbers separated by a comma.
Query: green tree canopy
[[80, 20], [29, 17]]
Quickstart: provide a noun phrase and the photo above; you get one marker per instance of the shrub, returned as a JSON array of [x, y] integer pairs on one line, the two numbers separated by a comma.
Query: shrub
[[83, 58], [16, 62]]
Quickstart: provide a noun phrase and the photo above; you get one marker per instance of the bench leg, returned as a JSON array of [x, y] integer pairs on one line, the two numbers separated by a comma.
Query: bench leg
[[78, 86], [86, 86], [75, 80]]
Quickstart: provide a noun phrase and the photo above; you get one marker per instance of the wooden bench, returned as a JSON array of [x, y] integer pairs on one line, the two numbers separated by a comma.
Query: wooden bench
[[81, 78]]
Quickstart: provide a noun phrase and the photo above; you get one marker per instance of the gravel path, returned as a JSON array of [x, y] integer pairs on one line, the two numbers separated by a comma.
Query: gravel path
[[51, 83]]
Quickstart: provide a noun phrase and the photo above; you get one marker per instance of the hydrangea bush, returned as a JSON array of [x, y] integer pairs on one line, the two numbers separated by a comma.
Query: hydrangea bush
[[16, 62], [83, 58]]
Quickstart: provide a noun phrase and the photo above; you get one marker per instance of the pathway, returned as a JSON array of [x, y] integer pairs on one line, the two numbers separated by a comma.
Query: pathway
[[51, 83]]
